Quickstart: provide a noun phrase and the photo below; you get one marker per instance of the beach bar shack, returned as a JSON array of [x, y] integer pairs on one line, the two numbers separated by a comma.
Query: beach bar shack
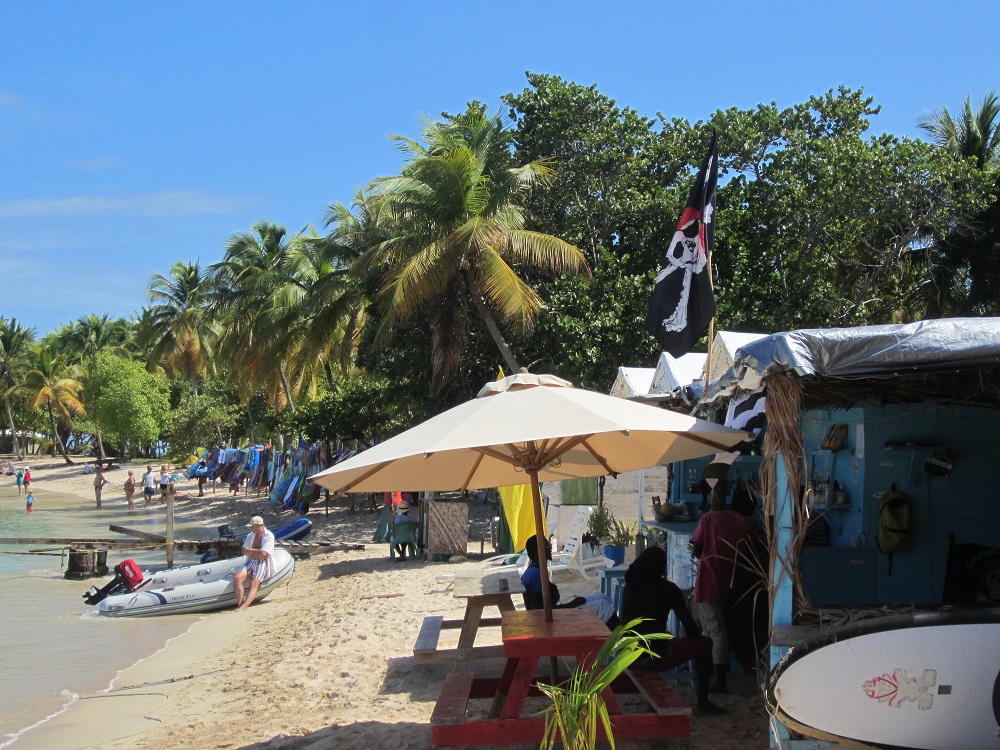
[[858, 419]]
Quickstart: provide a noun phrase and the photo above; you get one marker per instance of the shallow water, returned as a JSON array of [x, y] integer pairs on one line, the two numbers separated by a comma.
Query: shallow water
[[55, 648]]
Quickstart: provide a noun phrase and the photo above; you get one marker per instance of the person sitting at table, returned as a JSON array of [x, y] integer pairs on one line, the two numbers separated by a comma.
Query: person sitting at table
[[650, 596], [601, 604]]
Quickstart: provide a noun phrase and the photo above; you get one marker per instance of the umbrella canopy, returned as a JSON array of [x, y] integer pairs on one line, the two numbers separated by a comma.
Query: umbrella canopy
[[529, 428], [524, 425]]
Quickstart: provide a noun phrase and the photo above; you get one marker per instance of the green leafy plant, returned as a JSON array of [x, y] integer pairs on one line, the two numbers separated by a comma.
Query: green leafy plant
[[578, 709], [622, 534], [601, 522]]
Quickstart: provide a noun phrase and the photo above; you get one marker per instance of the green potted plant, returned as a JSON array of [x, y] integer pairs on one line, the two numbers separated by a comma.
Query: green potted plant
[[578, 709], [601, 523], [621, 536]]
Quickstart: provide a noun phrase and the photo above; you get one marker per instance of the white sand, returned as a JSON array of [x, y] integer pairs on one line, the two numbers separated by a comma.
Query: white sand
[[325, 662]]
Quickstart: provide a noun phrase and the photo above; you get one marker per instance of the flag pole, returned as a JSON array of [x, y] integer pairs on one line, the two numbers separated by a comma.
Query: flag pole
[[711, 285]]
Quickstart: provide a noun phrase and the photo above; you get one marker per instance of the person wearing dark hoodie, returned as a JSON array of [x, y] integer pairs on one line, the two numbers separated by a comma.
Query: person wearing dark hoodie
[[650, 596]]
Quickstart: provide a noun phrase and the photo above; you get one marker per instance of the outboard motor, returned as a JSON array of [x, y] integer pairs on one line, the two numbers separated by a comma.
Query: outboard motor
[[128, 577]]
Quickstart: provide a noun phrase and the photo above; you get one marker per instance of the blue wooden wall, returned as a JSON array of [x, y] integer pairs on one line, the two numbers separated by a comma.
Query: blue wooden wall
[[967, 504]]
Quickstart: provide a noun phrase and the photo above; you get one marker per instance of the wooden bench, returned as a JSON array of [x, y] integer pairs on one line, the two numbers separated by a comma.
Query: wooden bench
[[453, 701], [660, 695], [429, 635], [426, 648]]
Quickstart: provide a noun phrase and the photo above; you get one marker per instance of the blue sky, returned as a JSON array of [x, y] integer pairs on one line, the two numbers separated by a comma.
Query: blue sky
[[133, 135]]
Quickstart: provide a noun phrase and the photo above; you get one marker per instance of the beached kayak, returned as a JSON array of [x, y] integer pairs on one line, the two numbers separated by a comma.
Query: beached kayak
[[193, 588]]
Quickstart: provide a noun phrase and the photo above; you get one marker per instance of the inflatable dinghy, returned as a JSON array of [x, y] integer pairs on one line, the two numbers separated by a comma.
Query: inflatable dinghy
[[191, 588]]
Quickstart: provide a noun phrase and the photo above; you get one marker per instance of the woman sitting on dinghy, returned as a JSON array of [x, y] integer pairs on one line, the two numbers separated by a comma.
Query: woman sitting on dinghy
[[258, 548]]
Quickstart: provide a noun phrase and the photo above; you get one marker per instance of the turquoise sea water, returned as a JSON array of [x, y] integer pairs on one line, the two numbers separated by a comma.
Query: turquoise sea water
[[55, 649]]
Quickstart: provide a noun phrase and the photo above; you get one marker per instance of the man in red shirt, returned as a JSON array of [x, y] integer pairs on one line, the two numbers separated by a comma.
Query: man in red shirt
[[722, 538]]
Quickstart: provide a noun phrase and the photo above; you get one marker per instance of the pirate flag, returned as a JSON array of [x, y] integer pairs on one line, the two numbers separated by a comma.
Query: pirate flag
[[683, 304]]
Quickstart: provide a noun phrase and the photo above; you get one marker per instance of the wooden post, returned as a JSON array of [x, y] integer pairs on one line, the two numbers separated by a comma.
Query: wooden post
[[170, 525]]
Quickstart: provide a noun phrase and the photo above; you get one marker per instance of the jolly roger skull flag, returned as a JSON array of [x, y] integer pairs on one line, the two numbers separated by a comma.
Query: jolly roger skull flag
[[683, 304]]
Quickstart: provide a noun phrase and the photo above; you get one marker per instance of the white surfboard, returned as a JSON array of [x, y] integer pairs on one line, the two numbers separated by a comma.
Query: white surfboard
[[927, 681]]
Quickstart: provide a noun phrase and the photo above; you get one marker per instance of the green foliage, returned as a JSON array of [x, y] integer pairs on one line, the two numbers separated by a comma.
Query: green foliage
[[200, 421], [610, 529], [821, 225], [363, 409], [622, 534], [577, 709], [126, 400], [601, 522]]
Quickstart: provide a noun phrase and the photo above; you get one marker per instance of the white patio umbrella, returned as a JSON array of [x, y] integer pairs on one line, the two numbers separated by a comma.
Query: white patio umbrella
[[522, 428]]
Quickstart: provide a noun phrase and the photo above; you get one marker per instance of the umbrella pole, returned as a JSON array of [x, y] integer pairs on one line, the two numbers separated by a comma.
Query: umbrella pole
[[541, 538], [543, 565]]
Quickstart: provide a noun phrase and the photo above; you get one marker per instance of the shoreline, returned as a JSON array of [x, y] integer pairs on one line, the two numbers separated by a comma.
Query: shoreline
[[324, 662]]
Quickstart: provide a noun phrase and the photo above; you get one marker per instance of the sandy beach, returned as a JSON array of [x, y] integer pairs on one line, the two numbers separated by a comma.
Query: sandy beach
[[325, 662]]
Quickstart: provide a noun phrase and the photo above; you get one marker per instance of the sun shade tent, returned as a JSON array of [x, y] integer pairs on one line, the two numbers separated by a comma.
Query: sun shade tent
[[523, 428]]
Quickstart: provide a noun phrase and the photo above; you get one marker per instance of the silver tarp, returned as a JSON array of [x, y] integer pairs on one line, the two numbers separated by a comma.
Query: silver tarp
[[867, 351]]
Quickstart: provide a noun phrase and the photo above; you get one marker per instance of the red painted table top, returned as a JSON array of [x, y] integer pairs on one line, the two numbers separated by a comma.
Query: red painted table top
[[571, 632]]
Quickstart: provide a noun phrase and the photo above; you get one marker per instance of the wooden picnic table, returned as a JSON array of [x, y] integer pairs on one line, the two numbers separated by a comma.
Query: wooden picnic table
[[479, 591], [527, 639]]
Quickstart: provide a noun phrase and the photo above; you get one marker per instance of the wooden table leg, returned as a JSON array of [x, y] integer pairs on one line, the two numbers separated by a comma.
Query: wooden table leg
[[517, 694], [503, 688], [470, 625]]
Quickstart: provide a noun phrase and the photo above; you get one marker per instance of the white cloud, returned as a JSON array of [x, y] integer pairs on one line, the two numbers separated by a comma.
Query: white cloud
[[167, 203]]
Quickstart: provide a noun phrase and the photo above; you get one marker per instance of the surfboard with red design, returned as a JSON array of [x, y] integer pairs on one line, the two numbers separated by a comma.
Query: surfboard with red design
[[929, 681]]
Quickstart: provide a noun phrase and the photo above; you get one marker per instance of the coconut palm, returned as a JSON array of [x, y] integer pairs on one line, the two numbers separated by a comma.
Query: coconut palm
[[253, 267], [975, 134], [456, 236], [178, 327], [15, 346], [54, 384], [321, 306], [966, 276]]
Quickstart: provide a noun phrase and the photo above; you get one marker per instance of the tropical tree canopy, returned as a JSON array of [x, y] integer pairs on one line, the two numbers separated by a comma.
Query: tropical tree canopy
[[457, 235]]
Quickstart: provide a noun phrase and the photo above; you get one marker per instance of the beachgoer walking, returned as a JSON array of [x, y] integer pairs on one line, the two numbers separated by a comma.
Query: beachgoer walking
[[19, 478], [99, 482], [164, 481], [148, 485], [258, 547], [27, 478], [29, 502], [130, 489]]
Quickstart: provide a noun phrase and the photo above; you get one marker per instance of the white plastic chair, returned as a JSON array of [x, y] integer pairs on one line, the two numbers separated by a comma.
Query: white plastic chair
[[570, 559]]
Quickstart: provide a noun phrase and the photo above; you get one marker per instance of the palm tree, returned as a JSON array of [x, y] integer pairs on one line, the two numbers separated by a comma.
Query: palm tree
[[253, 268], [178, 327], [976, 134], [456, 235], [966, 276], [54, 384], [323, 304], [15, 345]]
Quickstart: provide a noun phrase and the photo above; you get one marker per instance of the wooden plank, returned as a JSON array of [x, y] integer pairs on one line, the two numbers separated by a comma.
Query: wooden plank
[[137, 533], [500, 732], [453, 699], [458, 654], [484, 622], [504, 732], [664, 700], [430, 633]]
